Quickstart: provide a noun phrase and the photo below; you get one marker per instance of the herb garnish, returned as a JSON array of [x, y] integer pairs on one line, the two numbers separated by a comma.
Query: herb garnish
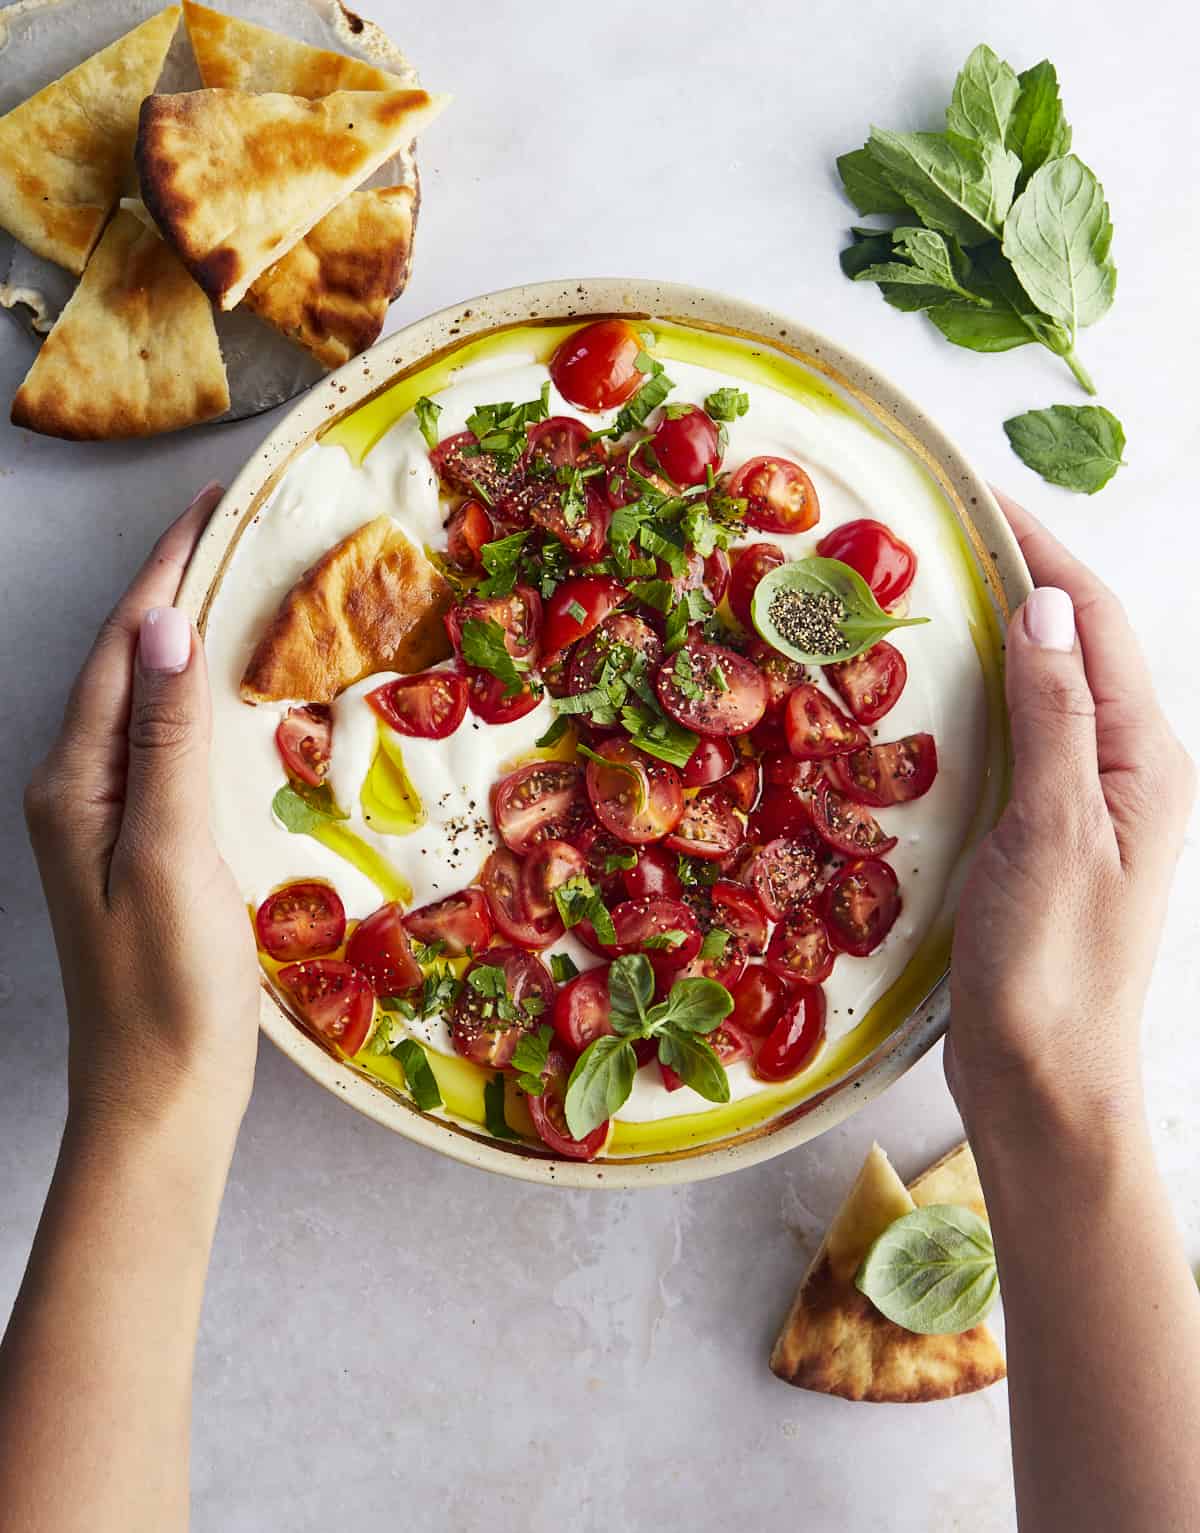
[[1077, 446], [819, 610], [418, 1074], [483, 645], [503, 429], [493, 1109], [932, 1271], [529, 1060], [303, 809], [577, 900], [427, 414]]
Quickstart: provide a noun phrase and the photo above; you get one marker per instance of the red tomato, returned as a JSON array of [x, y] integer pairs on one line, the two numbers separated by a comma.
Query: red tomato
[[501, 880], [847, 826], [800, 948], [782, 874], [708, 827], [711, 689], [379, 948], [548, 867], [768, 736], [686, 445], [595, 594], [459, 463], [750, 564], [727, 1042], [870, 683], [894, 773], [743, 785], [468, 529], [636, 797], [303, 740], [581, 1010], [654, 874], [782, 811], [779, 495], [637, 922], [333, 998], [884, 562], [301, 921], [597, 846], [487, 701], [740, 911], [781, 673], [716, 575], [709, 762], [816, 727], [792, 1043], [586, 537], [477, 1029], [862, 901], [519, 614], [561, 441], [430, 704], [621, 629], [758, 998], [541, 801], [462, 923], [549, 1113], [595, 368]]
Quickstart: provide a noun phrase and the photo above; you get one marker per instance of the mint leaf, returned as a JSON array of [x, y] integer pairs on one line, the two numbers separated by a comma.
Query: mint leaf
[[427, 414], [418, 1074], [936, 263], [493, 1109], [1038, 129], [1077, 446], [932, 1271], [600, 1084], [866, 185], [696, 1005], [985, 95], [953, 184], [697, 1066]]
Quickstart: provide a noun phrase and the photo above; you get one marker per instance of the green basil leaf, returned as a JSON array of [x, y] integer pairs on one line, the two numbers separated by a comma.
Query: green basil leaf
[[697, 1066], [501, 558], [985, 96], [936, 263], [493, 1109], [716, 940], [870, 248], [657, 735], [697, 1005], [953, 184], [630, 989], [427, 414], [555, 732], [483, 646], [1077, 446], [600, 1084], [726, 404], [1058, 237], [418, 1074], [838, 607], [563, 967], [303, 810], [1038, 129], [529, 1060], [867, 187], [932, 1271]]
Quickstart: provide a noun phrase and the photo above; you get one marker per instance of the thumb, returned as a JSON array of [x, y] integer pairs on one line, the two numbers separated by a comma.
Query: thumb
[[1050, 705], [166, 794]]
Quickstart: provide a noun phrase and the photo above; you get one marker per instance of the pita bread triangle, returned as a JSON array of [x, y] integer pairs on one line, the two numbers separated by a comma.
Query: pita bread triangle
[[238, 55], [233, 180], [65, 151], [133, 353], [373, 602], [836, 1342], [953, 1179]]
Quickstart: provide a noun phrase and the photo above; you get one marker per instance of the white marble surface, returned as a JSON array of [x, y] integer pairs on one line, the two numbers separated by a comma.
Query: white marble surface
[[392, 1340]]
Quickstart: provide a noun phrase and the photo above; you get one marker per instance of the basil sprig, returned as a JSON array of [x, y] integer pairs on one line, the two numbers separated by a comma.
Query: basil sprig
[[603, 1076], [854, 620], [932, 1271]]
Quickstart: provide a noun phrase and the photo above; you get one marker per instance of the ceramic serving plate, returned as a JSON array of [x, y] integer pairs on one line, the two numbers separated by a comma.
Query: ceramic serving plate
[[357, 405]]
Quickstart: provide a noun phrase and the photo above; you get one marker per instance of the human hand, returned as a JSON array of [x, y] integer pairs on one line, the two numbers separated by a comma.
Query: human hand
[[156, 951], [1060, 918]]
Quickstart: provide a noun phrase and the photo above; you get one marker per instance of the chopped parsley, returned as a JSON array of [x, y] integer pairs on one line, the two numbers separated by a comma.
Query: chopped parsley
[[577, 900], [483, 646], [727, 404], [503, 429], [529, 1060]]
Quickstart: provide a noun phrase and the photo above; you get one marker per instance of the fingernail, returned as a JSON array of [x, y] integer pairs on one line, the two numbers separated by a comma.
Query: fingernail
[[209, 488], [1050, 619], [165, 641]]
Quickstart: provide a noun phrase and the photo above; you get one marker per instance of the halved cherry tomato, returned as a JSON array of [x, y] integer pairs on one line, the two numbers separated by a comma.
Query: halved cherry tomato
[[462, 923], [740, 911], [595, 595], [816, 727], [886, 563], [541, 801], [548, 867], [467, 530], [846, 826], [726, 970], [561, 441], [793, 1042], [758, 998], [782, 811], [459, 462], [708, 827], [779, 495], [477, 1029], [429, 705], [637, 922], [750, 564], [519, 614], [333, 998], [655, 874], [581, 1010], [768, 735], [501, 880], [716, 575], [800, 948], [620, 630], [870, 683], [782, 874], [586, 536], [595, 367], [489, 699], [862, 901], [549, 1113], [712, 758], [727, 1042], [597, 846], [781, 673], [894, 773], [304, 739], [379, 948], [301, 921], [743, 785], [636, 797], [711, 689], [686, 445]]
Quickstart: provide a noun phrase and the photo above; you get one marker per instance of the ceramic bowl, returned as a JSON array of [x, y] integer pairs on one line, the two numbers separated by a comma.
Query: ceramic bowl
[[1003, 577]]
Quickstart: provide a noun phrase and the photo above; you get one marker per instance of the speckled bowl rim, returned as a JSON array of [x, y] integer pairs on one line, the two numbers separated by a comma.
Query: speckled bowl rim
[[997, 556]]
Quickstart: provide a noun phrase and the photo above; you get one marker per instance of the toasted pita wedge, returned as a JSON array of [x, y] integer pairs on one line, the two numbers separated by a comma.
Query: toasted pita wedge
[[952, 1179], [836, 1342], [372, 603], [134, 352], [234, 180], [238, 55], [63, 152]]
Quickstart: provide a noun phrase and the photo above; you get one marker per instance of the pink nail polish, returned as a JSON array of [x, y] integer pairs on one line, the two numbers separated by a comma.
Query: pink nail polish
[[165, 641], [1050, 619]]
